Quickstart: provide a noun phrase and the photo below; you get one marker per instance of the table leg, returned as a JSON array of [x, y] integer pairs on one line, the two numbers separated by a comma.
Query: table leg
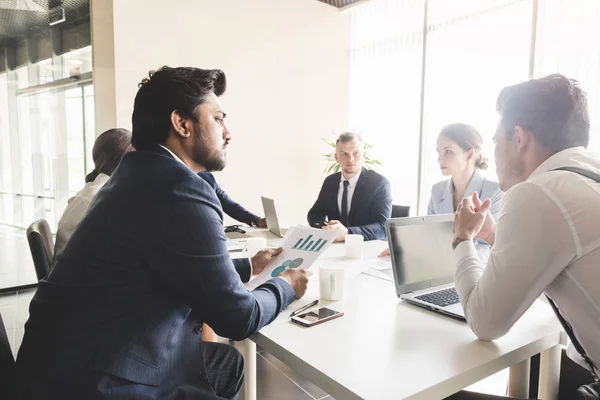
[[250, 369], [518, 381], [550, 373]]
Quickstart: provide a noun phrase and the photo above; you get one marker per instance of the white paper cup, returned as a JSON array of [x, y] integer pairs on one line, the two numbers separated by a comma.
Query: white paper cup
[[354, 246]]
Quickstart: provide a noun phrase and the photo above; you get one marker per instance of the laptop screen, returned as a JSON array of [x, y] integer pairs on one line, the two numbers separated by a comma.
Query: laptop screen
[[271, 215], [421, 251]]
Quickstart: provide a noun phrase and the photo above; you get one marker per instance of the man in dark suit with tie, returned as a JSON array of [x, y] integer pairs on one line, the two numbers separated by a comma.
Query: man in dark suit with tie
[[120, 315], [355, 200], [230, 207]]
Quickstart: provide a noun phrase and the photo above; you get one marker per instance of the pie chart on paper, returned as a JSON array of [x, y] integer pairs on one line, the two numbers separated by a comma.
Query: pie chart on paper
[[287, 264]]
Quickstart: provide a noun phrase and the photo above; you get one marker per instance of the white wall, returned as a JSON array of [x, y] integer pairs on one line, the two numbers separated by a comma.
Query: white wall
[[103, 65], [286, 63]]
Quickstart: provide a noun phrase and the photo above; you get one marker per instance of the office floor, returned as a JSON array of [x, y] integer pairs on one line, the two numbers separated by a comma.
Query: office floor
[[16, 266], [276, 381]]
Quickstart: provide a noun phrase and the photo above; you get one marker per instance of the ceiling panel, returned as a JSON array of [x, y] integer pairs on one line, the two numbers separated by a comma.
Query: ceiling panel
[[340, 3], [25, 18]]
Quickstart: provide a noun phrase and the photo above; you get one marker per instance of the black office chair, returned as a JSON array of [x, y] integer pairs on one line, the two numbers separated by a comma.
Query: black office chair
[[8, 389], [400, 211], [41, 245]]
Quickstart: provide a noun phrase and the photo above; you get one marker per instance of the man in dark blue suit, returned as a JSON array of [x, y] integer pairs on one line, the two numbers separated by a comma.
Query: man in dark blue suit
[[120, 315], [355, 200], [230, 207]]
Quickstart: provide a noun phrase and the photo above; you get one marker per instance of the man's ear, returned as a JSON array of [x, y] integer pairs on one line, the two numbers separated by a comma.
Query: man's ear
[[522, 137], [178, 124]]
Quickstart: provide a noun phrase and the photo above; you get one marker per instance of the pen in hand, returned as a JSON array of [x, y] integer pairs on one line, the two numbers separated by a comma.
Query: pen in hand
[[309, 305]]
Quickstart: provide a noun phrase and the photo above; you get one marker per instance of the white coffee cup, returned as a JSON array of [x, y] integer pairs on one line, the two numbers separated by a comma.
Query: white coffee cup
[[354, 246], [254, 245], [332, 283]]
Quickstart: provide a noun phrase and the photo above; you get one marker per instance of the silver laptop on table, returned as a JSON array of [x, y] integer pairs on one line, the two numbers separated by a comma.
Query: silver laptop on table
[[271, 217], [423, 262]]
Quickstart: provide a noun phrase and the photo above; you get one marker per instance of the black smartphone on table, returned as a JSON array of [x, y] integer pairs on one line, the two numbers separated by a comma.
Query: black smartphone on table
[[316, 317]]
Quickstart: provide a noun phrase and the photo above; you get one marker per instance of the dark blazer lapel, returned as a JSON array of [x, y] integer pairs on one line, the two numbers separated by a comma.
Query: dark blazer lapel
[[359, 194], [334, 189]]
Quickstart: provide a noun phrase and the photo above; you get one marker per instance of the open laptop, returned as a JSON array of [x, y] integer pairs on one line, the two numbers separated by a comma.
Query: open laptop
[[271, 216], [423, 262]]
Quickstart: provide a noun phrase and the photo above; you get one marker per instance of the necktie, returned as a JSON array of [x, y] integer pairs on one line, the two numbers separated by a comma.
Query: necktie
[[344, 216]]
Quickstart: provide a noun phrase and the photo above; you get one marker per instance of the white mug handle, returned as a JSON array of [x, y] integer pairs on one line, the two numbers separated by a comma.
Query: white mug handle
[[332, 286]]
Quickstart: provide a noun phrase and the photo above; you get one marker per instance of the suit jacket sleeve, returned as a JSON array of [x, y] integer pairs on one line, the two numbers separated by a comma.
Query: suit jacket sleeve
[[318, 212], [233, 209], [243, 268], [191, 257], [381, 211]]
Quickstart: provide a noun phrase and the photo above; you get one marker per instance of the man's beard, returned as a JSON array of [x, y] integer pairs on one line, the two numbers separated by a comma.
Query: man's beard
[[201, 154]]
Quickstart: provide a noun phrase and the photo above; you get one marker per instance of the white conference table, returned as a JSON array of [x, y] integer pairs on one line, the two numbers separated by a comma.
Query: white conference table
[[384, 348]]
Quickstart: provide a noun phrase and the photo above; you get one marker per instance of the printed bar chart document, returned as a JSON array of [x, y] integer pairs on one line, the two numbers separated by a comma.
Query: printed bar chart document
[[302, 246]]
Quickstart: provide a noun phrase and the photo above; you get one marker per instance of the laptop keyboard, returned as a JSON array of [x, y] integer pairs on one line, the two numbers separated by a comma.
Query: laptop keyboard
[[443, 298]]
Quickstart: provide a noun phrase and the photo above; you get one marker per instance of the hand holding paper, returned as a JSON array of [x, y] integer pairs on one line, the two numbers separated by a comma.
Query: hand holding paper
[[263, 258], [302, 246]]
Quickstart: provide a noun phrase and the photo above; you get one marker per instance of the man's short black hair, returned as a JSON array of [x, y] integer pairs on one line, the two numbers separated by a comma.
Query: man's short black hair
[[180, 89]]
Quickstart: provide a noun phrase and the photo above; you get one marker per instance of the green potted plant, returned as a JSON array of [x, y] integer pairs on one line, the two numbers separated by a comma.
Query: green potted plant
[[333, 166]]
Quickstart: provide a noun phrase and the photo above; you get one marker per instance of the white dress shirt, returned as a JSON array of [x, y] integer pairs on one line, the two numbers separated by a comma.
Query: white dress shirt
[[75, 210], [547, 241], [351, 186]]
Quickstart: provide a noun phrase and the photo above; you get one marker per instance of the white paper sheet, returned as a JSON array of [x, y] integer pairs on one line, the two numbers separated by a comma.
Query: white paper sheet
[[302, 246], [379, 264]]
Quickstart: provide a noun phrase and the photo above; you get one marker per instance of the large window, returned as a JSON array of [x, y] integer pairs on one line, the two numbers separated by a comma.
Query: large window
[[568, 42], [471, 55], [418, 65], [6, 189], [77, 62], [385, 88], [46, 136]]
